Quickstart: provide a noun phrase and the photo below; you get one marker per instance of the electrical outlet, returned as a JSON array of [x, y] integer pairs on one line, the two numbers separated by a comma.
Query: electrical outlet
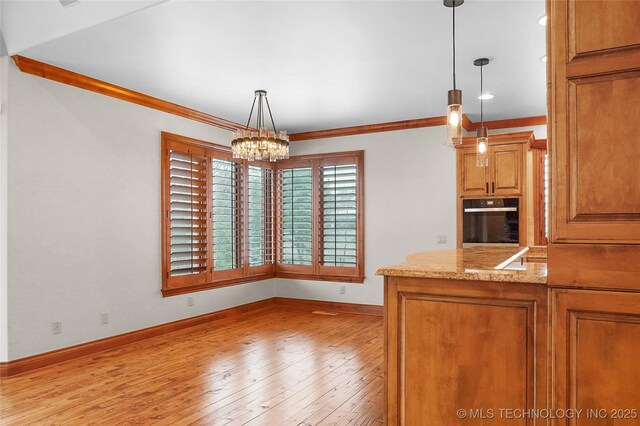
[[343, 290], [442, 239], [56, 327], [104, 318], [190, 301]]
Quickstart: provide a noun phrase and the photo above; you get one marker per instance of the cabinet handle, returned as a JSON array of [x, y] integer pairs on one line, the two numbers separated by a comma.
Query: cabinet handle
[[493, 187], [487, 190]]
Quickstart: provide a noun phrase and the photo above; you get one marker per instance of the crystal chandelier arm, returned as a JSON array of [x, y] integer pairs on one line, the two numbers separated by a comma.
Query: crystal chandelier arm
[[271, 116], [251, 113], [259, 115]]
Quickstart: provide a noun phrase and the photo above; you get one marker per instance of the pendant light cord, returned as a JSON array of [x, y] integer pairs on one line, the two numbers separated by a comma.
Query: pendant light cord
[[481, 95], [454, 44]]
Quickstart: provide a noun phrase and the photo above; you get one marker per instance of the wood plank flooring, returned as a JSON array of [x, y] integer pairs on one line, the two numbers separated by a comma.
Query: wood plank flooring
[[276, 366]]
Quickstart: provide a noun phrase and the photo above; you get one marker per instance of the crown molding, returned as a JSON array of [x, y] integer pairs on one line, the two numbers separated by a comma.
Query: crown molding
[[511, 123], [369, 128], [61, 75], [467, 124]]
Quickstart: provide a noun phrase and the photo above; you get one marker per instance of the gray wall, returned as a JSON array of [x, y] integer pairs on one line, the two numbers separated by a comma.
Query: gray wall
[[410, 199], [84, 217]]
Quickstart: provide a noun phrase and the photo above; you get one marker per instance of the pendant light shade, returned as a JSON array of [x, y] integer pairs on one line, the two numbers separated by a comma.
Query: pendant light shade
[[454, 117], [482, 144], [260, 144], [482, 135], [454, 97]]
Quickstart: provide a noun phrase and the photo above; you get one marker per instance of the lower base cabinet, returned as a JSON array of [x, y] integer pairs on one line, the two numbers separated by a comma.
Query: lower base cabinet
[[492, 353], [596, 340], [458, 352]]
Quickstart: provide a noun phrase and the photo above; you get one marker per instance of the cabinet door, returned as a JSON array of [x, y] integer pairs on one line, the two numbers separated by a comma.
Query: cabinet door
[[594, 65], [473, 179], [456, 345], [506, 170], [596, 338]]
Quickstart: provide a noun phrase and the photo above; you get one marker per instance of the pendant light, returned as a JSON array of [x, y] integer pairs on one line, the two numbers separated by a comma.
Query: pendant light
[[454, 98], [260, 144], [482, 135]]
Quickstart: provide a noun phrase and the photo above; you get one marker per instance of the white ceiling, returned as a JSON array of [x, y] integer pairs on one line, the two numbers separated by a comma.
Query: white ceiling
[[325, 64]]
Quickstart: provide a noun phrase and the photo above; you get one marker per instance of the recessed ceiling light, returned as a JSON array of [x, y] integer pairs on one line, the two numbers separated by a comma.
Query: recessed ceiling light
[[543, 20], [486, 96], [544, 58]]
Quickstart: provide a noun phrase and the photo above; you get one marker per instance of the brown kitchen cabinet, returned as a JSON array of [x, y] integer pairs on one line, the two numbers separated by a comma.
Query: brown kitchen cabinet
[[506, 173], [510, 161], [474, 181], [504, 176], [593, 69], [596, 341], [470, 345]]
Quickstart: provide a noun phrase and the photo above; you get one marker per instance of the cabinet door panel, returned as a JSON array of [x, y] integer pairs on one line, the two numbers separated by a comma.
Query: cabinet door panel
[[473, 180], [617, 22], [594, 65], [459, 345], [448, 366], [597, 342], [506, 169]]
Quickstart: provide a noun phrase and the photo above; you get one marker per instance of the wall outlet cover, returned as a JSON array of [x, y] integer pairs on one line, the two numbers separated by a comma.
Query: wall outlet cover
[[56, 327], [104, 317]]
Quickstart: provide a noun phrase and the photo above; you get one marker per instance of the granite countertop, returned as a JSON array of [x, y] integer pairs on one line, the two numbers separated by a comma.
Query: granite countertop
[[479, 263]]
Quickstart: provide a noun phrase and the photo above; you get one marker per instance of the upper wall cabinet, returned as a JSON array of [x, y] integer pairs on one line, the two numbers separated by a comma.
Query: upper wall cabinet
[[504, 176], [473, 180], [506, 163], [594, 62]]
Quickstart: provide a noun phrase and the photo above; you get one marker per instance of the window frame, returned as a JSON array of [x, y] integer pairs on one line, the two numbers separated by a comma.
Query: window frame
[[213, 279], [210, 279], [316, 271]]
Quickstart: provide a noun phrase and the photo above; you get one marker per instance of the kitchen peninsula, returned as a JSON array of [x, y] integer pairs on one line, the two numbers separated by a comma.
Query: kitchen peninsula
[[465, 329]]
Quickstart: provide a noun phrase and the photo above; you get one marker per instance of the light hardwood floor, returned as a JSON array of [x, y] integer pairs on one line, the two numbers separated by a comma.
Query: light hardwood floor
[[275, 366]]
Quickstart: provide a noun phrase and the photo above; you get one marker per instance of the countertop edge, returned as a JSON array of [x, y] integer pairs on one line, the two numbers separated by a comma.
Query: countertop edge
[[494, 276]]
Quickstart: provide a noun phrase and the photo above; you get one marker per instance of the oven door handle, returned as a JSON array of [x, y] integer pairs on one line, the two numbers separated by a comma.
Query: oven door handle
[[491, 209]]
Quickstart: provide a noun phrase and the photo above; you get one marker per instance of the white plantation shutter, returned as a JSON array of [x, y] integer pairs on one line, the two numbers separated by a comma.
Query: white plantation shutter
[[260, 226], [338, 215], [295, 191], [187, 215], [227, 197]]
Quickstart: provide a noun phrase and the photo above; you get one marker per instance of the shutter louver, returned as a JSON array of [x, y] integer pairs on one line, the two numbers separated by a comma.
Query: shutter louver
[[338, 216], [296, 216], [260, 211], [187, 213], [227, 214]]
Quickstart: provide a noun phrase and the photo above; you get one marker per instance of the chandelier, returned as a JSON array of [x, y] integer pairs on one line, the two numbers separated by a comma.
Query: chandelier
[[260, 144]]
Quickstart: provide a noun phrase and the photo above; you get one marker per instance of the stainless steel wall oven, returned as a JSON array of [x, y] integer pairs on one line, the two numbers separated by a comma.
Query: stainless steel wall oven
[[491, 221]]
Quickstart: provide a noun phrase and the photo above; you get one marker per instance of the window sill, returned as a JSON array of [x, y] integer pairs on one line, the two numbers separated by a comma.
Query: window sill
[[166, 292], [313, 277]]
